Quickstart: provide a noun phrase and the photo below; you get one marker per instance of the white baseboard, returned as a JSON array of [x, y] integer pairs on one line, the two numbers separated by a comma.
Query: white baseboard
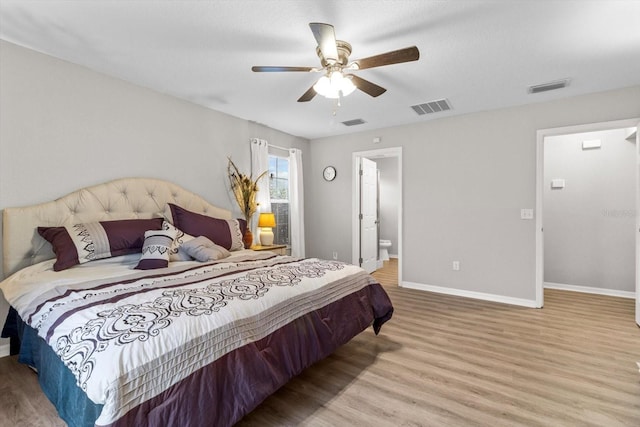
[[393, 255], [5, 350], [590, 290], [470, 294]]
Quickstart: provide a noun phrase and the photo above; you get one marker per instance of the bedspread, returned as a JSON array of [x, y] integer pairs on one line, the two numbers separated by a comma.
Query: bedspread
[[128, 339]]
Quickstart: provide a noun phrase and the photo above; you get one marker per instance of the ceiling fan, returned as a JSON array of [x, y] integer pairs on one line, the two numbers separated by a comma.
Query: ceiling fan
[[334, 58]]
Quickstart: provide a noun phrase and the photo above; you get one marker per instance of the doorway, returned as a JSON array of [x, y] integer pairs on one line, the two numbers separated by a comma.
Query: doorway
[[386, 155], [542, 184]]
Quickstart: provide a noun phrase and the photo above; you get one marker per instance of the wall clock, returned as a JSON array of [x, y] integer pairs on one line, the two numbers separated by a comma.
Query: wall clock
[[329, 173]]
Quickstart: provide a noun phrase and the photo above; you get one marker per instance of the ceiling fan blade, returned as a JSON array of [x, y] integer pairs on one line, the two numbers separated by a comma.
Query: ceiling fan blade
[[367, 87], [326, 38], [270, 69], [308, 95], [394, 57]]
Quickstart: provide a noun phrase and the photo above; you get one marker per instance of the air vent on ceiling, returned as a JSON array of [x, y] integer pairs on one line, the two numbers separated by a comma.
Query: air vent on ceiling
[[558, 84], [432, 107], [353, 122]]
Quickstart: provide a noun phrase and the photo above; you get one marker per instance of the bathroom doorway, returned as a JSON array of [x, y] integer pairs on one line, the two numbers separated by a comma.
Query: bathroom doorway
[[389, 165]]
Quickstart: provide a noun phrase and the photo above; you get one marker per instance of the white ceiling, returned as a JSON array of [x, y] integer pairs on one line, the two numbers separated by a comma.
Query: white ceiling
[[480, 55]]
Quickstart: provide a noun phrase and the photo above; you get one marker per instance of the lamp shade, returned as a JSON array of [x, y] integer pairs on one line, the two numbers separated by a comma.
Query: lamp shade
[[334, 85], [267, 219]]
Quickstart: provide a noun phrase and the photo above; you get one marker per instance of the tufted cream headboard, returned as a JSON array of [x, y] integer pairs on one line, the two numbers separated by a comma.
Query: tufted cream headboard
[[120, 199]]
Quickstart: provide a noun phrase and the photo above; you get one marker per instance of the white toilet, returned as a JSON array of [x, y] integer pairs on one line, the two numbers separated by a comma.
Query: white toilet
[[384, 249]]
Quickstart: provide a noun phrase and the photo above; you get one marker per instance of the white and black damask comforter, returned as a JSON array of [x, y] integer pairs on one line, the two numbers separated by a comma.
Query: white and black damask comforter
[[194, 344]]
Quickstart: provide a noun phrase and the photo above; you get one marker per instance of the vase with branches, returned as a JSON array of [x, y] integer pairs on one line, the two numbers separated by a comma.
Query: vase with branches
[[245, 190]]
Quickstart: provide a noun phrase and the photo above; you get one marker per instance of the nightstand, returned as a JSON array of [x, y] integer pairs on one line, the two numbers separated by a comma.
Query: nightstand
[[278, 249]]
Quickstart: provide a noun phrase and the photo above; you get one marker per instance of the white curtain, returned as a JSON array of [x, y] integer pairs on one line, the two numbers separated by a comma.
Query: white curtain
[[296, 202], [260, 164]]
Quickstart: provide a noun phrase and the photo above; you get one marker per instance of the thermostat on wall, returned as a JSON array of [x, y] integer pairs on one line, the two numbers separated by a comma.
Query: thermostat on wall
[[591, 144], [557, 183]]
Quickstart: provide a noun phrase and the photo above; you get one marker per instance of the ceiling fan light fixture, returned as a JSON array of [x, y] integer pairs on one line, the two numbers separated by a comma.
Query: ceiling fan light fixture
[[334, 85], [347, 87]]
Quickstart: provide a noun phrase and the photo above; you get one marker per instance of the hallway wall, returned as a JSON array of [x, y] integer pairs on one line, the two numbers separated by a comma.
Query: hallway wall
[[589, 224]]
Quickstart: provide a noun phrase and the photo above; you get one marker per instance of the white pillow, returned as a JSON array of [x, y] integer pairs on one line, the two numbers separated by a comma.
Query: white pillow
[[177, 253]]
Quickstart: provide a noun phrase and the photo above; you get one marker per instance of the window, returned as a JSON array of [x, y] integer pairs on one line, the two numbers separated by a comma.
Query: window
[[279, 193]]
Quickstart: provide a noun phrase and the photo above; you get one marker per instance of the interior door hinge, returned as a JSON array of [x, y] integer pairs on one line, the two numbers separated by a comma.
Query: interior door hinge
[[361, 172], [361, 217], [360, 261]]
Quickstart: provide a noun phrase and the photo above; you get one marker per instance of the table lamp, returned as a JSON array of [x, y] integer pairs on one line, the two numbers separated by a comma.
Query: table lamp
[[266, 222]]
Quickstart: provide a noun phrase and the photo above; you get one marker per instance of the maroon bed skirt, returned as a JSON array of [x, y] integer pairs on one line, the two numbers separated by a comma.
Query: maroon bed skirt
[[221, 393]]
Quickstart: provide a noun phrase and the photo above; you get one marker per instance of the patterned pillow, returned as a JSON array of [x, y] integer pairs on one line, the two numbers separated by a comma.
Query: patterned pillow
[[223, 232], [80, 243], [177, 253], [156, 248], [203, 249]]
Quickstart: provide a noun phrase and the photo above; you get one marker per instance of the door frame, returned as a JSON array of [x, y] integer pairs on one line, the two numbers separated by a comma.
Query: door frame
[[566, 130], [637, 230], [355, 200]]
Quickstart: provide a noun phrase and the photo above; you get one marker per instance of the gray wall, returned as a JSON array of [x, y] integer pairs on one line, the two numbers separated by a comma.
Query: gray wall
[[465, 179], [389, 199], [589, 237], [63, 127]]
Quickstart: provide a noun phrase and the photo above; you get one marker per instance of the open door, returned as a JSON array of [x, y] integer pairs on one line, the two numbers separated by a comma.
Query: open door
[[368, 215], [356, 200]]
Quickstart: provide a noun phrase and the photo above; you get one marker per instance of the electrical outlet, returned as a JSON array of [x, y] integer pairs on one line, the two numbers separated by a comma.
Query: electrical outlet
[[335, 255], [456, 266]]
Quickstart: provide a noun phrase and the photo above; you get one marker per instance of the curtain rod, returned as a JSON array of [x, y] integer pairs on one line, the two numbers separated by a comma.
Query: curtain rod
[[279, 148], [276, 146]]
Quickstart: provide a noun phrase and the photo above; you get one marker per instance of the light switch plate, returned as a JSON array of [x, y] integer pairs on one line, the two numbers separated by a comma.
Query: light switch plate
[[526, 213]]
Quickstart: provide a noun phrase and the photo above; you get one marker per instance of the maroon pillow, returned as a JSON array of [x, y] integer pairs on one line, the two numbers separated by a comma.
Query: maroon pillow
[[80, 243], [223, 232]]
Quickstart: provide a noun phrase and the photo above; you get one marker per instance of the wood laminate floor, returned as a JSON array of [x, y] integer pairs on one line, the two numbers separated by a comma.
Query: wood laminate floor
[[445, 361]]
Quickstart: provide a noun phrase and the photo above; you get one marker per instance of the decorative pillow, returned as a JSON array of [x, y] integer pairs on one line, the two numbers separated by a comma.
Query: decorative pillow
[[223, 232], [80, 243], [243, 230], [177, 253], [203, 249], [156, 248]]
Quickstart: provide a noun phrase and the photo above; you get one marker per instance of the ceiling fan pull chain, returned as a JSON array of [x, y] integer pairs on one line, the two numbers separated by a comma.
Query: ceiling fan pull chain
[[337, 104]]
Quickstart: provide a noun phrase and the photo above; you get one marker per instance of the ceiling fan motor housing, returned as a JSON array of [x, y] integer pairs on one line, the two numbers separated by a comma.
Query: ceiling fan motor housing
[[344, 50]]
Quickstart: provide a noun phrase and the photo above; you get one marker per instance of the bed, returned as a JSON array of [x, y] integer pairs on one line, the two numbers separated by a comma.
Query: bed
[[137, 338]]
